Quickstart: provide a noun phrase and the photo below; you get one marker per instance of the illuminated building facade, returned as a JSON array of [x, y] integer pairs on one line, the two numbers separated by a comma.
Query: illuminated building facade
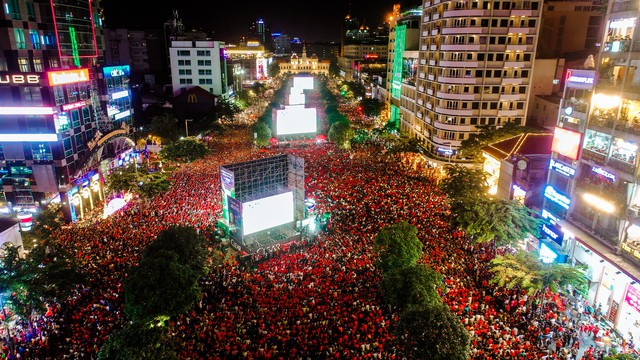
[[475, 67], [199, 63], [250, 63], [363, 52], [304, 64], [51, 105]]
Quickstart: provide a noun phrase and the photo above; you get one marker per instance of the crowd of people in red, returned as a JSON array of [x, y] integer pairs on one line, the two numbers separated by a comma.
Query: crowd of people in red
[[320, 299]]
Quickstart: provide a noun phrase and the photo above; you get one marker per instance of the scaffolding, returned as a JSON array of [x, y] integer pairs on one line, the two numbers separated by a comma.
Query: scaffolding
[[261, 178]]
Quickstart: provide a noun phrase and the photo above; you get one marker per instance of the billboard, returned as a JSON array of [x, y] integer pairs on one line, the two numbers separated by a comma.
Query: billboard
[[296, 119], [296, 99], [566, 142], [303, 82], [268, 212], [116, 71]]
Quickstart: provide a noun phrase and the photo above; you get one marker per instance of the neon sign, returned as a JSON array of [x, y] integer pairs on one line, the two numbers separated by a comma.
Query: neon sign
[[558, 198], [547, 255], [566, 142], [115, 71], [68, 76], [120, 94], [28, 137], [604, 173], [26, 110], [553, 233], [549, 216], [75, 105], [19, 79], [562, 168], [581, 79]]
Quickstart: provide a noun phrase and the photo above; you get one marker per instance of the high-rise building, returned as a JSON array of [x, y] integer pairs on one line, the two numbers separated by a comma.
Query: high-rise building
[[475, 66], [260, 30], [57, 116], [363, 52], [199, 63], [281, 43]]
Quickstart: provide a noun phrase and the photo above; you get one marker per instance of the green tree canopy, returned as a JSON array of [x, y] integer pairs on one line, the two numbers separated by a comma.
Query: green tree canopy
[[187, 149], [433, 332], [139, 181], [525, 271], [340, 133], [372, 107], [397, 246], [47, 221], [138, 341], [261, 134], [185, 241], [226, 110], [165, 126], [504, 221], [411, 286], [160, 287], [471, 148], [274, 69], [464, 182]]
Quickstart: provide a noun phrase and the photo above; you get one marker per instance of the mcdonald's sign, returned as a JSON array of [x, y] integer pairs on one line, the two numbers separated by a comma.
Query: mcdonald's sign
[[192, 99]]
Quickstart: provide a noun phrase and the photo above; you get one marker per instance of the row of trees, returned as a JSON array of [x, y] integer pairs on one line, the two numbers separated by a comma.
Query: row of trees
[[504, 223], [426, 328], [163, 285]]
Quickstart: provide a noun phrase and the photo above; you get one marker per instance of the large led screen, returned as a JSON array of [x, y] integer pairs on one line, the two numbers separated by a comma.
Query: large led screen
[[303, 82], [296, 99], [566, 142], [267, 212], [296, 120]]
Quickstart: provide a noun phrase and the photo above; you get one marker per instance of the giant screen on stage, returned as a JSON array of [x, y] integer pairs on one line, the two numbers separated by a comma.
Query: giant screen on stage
[[267, 212]]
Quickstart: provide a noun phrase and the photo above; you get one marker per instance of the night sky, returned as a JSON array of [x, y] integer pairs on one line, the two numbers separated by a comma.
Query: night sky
[[229, 19]]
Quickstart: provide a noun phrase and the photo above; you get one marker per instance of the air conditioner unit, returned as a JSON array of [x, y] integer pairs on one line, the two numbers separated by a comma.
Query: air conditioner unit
[[632, 212]]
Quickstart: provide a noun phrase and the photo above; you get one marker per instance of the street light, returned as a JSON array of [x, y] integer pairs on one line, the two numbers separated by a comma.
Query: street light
[[186, 126]]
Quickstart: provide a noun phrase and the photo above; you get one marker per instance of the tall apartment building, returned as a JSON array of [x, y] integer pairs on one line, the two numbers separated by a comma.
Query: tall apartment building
[[363, 52], [52, 104], [475, 66], [142, 49], [281, 43], [199, 63]]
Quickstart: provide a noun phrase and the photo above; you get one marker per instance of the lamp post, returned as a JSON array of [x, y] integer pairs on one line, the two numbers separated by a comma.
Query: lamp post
[[186, 126]]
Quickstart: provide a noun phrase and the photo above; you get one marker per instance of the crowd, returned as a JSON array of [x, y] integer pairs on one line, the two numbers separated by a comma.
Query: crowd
[[319, 299]]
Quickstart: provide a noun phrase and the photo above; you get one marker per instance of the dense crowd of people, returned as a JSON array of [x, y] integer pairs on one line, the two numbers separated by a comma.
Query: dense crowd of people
[[320, 299]]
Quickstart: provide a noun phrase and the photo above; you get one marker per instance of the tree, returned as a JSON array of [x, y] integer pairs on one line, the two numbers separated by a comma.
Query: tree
[[411, 286], [433, 332], [274, 69], [187, 149], [261, 134], [397, 246], [525, 271], [138, 341], [47, 221], [186, 242], [504, 221], [372, 107], [464, 183], [165, 126], [340, 133], [226, 110], [123, 179], [160, 287], [152, 183]]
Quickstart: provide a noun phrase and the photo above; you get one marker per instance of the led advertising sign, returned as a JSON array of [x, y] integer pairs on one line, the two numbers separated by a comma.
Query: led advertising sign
[[561, 168], [547, 255], [445, 151], [115, 71], [268, 212], [557, 197], [580, 79], [25, 110], [28, 137], [303, 82], [68, 76], [120, 94], [601, 171], [119, 116], [633, 297], [553, 233], [296, 119], [549, 216], [566, 142], [19, 79], [75, 105]]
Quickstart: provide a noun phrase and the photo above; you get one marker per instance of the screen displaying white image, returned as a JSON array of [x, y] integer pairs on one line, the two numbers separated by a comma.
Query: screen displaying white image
[[296, 119], [296, 99], [303, 82], [267, 212], [296, 90]]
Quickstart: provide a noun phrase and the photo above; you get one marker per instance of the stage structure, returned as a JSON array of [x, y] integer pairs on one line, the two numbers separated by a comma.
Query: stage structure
[[263, 202]]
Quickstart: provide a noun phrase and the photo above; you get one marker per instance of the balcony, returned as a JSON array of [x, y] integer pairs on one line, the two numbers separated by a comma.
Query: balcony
[[517, 80], [436, 16], [429, 91], [430, 77], [426, 18], [452, 127], [514, 64], [458, 112], [464, 30], [432, 62], [423, 48], [423, 61], [520, 47], [425, 33], [510, 112], [453, 96], [520, 30], [460, 47], [456, 64], [457, 80], [434, 32], [512, 97], [523, 12], [465, 13]]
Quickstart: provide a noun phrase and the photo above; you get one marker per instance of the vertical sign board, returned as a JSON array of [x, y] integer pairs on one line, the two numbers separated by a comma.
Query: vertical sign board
[[235, 218], [228, 189]]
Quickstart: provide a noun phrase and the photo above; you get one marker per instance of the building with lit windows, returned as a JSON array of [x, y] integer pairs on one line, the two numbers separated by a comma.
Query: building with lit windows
[[199, 63], [250, 63], [304, 64], [475, 67], [363, 52], [55, 128]]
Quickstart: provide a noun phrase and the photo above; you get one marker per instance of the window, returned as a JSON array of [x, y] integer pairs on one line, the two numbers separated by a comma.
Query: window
[[68, 149], [79, 142], [550, 7], [186, 81], [204, 62], [12, 7], [37, 64], [184, 62], [21, 42], [184, 72], [204, 52], [30, 11], [41, 151], [58, 94], [205, 81], [23, 63], [184, 52], [204, 71], [35, 39]]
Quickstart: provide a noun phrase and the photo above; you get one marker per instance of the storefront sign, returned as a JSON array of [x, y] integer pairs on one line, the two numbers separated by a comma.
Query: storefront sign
[[19, 79], [602, 172], [549, 216], [558, 198], [553, 233], [75, 105], [568, 110], [115, 71], [68, 76], [445, 151], [581, 79], [563, 169], [633, 297], [566, 142]]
